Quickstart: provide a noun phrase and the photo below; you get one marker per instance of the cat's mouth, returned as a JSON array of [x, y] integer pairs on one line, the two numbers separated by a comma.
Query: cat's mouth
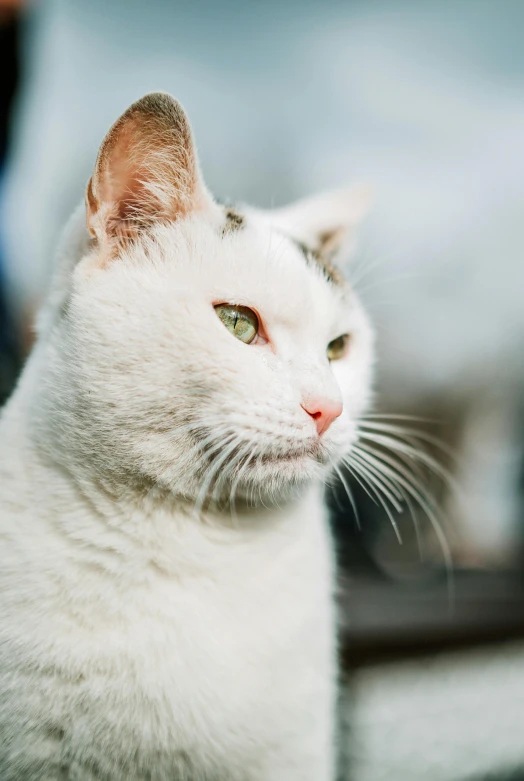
[[271, 468], [316, 452], [243, 462], [291, 456]]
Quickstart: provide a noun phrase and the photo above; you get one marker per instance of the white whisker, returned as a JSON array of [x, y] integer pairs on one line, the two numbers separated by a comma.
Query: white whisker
[[350, 496], [202, 494], [425, 501], [382, 494]]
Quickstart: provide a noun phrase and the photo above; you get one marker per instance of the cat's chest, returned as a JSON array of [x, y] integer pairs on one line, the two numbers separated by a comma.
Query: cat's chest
[[227, 593], [221, 652], [203, 596], [228, 644]]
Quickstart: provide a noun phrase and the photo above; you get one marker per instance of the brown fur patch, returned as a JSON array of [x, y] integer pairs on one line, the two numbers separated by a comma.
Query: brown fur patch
[[234, 221], [322, 260]]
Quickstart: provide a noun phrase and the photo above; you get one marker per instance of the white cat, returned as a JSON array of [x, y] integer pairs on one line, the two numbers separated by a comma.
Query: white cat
[[167, 575]]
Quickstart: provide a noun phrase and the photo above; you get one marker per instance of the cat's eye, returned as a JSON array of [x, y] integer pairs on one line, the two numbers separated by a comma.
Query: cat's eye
[[241, 321], [338, 347]]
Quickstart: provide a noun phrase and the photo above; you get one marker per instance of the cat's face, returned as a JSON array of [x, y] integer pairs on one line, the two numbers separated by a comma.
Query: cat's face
[[213, 353]]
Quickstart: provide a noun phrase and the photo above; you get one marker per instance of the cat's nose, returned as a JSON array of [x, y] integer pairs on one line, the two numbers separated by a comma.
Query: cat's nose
[[323, 412]]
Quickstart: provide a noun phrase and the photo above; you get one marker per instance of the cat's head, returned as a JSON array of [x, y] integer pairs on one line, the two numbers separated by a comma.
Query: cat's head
[[204, 348]]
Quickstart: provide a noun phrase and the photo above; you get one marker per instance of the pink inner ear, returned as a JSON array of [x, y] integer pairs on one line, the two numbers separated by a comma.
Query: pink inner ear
[[146, 171], [120, 186], [145, 181], [116, 175]]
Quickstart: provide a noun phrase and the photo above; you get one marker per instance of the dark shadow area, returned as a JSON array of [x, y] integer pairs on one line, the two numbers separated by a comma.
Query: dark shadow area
[[10, 359]]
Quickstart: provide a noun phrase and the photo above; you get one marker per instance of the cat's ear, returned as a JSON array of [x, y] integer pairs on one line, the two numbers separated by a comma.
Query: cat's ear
[[325, 223], [146, 171]]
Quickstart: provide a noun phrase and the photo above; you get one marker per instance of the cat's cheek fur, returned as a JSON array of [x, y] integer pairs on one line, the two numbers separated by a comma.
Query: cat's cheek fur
[[166, 589]]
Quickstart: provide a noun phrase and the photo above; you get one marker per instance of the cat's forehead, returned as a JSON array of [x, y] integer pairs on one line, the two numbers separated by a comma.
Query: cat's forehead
[[237, 222], [279, 273], [247, 261]]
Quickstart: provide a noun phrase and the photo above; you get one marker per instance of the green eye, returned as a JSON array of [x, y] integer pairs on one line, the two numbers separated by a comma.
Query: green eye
[[337, 348], [241, 321]]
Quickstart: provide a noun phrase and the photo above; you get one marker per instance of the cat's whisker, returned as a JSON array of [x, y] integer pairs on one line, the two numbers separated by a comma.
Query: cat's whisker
[[412, 486], [377, 488], [392, 279], [240, 469], [396, 469], [331, 479], [229, 453], [407, 454], [388, 487], [416, 526], [349, 493], [409, 434], [414, 464], [197, 455], [217, 463], [395, 416], [364, 267], [229, 468], [246, 455]]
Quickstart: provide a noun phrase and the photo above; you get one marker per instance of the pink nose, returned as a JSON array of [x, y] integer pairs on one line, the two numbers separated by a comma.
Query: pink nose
[[323, 412]]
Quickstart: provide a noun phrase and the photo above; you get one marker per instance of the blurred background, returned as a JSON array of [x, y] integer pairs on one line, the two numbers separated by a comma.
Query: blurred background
[[425, 101]]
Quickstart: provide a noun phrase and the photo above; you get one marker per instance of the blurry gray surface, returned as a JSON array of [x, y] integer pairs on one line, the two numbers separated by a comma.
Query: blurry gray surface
[[451, 718]]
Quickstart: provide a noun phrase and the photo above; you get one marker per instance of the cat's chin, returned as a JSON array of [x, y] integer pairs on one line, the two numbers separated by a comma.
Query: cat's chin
[[275, 480]]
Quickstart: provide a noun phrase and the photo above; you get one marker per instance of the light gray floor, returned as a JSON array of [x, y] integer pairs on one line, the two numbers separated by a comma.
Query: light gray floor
[[453, 717]]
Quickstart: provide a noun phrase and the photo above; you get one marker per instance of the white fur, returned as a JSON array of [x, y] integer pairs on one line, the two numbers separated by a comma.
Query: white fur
[[146, 633]]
